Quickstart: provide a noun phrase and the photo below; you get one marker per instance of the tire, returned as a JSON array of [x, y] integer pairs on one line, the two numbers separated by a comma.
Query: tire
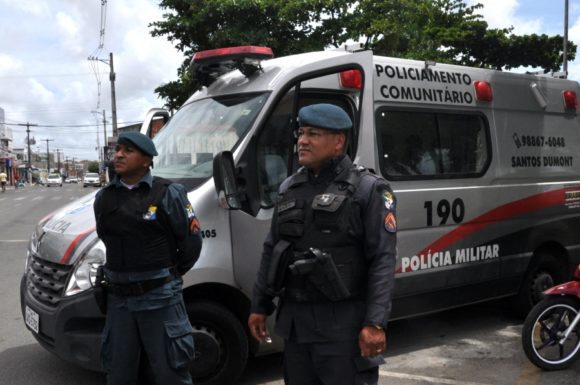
[[221, 344], [544, 272], [544, 327]]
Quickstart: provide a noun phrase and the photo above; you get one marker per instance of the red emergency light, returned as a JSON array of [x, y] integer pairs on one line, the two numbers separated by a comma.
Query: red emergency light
[[483, 91], [351, 79], [210, 64], [232, 53], [570, 100]]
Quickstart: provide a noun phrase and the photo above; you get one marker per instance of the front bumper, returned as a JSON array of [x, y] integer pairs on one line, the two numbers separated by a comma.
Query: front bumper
[[71, 330]]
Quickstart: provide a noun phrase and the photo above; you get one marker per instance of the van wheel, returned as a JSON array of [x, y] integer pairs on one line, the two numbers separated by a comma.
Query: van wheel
[[544, 272], [221, 344]]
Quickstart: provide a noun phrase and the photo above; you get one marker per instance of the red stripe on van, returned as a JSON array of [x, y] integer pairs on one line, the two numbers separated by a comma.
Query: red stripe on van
[[71, 248], [509, 210]]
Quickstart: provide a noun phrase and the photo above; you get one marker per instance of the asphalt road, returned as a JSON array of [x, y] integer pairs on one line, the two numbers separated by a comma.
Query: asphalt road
[[474, 345]]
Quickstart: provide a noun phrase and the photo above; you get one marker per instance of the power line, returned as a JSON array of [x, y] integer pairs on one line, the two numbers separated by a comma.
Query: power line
[[67, 125], [25, 76], [93, 63]]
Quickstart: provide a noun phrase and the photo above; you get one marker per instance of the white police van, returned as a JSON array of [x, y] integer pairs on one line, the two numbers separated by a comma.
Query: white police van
[[485, 166]]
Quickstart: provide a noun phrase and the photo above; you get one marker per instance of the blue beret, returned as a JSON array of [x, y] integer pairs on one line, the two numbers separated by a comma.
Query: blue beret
[[137, 139], [324, 115]]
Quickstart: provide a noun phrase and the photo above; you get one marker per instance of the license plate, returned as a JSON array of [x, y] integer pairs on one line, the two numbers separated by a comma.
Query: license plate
[[32, 320]]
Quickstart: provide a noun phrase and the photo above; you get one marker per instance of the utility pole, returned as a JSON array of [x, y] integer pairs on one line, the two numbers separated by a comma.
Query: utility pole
[[112, 77], [105, 150], [565, 56], [58, 159], [105, 145], [47, 155], [95, 112], [28, 144]]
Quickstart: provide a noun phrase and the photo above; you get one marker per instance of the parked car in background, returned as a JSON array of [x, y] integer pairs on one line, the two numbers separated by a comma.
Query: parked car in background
[[54, 180], [72, 179], [92, 179]]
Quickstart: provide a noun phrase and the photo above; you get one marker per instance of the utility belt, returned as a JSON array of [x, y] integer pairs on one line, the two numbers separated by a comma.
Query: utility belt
[[313, 276], [134, 289]]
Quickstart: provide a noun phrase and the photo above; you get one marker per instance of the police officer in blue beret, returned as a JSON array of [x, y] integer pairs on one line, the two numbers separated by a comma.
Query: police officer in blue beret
[[330, 258], [152, 238]]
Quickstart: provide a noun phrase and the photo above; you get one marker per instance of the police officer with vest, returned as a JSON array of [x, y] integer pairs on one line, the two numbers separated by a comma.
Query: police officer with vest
[[330, 258], [152, 238]]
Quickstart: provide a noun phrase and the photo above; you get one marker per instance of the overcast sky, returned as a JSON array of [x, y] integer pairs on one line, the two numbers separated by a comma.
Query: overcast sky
[[46, 79]]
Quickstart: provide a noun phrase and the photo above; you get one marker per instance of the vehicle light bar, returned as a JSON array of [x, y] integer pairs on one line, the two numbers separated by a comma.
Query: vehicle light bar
[[570, 100], [209, 65], [230, 53], [351, 79], [483, 91]]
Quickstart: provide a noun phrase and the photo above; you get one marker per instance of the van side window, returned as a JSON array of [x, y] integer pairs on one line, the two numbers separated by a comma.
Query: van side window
[[424, 145], [275, 145], [276, 151]]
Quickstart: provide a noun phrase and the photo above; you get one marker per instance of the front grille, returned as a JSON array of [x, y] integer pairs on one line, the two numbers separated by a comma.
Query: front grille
[[46, 280]]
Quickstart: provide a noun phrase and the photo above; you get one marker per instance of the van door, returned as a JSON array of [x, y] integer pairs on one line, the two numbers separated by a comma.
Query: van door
[[270, 156], [437, 162]]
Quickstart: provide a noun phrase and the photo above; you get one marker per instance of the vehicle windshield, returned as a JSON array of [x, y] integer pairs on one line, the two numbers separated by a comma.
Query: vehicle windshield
[[198, 131]]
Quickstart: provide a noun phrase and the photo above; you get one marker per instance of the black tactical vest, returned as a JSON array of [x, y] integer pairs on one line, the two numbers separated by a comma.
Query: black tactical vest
[[135, 228], [320, 216]]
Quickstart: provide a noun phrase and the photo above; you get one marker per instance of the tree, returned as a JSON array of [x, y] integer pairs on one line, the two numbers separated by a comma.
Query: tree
[[441, 30], [93, 167], [287, 27]]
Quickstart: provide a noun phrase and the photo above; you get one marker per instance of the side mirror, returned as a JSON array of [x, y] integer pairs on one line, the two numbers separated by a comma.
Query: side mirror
[[224, 178], [154, 121]]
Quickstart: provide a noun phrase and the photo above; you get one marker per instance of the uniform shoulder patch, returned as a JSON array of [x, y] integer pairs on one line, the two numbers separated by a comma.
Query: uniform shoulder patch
[[389, 200], [390, 222], [194, 225]]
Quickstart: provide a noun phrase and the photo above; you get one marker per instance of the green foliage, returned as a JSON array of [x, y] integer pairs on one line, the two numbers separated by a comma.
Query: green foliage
[[441, 30], [93, 167]]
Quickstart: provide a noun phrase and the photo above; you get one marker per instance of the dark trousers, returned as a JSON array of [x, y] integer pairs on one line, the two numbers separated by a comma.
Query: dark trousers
[[166, 336], [331, 363]]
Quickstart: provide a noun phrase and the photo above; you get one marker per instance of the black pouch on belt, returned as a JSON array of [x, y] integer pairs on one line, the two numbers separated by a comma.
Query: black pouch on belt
[[99, 290]]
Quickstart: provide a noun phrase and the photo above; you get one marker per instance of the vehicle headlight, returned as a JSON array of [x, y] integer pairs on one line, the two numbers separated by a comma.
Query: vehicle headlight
[[85, 271], [32, 248], [33, 244]]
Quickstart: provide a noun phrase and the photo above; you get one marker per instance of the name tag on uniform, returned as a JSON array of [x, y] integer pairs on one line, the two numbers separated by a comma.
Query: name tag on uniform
[[286, 205]]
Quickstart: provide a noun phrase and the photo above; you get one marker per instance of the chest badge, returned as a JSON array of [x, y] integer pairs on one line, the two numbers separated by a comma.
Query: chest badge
[[325, 199], [151, 213]]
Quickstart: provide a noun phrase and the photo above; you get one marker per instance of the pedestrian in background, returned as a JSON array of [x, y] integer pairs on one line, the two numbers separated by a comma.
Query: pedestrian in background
[[330, 258], [152, 238], [3, 178]]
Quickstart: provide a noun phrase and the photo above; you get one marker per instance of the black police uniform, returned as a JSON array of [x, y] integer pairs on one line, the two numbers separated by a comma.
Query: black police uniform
[[349, 213], [150, 243]]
